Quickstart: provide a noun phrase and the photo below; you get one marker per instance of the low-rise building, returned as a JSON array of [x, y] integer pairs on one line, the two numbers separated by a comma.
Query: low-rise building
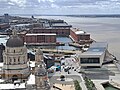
[[40, 38], [94, 56], [59, 31], [4, 25], [78, 35]]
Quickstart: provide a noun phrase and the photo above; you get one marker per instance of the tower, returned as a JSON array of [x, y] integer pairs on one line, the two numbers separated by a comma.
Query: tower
[[15, 59], [41, 79], [6, 18]]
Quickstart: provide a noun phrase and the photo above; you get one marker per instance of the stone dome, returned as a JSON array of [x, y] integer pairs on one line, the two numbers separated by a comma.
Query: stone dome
[[14, 41]]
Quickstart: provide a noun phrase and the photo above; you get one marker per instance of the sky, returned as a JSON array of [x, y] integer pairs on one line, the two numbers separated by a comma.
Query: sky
[[60, 7]]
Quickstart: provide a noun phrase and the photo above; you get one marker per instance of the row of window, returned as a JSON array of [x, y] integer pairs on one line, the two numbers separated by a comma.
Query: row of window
[[89, 60], [14, 61], [9, 63], [13, 50]]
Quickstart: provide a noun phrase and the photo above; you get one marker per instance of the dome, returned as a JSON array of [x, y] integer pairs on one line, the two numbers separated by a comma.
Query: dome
[[14, 41]]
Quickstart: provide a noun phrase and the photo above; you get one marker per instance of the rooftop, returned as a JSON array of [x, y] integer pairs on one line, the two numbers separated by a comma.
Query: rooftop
[[97, 48], [12, 86], [40, 34], [78, 31], [60, 25]]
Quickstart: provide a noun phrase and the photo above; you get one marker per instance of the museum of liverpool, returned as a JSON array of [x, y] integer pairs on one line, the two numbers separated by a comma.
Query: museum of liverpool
[[94, 56]]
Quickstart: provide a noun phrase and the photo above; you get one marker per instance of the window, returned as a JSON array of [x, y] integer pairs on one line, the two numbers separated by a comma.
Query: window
[[14, 51], [10, 60], [90, 60], [14, 60], [18, 59]]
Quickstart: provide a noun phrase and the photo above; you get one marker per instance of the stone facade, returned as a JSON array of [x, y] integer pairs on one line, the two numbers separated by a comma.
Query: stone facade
[[15, 61], [41, 78]]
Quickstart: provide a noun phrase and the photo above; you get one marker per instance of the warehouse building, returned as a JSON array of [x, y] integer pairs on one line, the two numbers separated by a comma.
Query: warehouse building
[[78, 35], [40, 38]]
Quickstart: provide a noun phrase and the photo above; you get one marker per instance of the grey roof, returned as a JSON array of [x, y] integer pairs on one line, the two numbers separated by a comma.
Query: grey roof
[[14, 41], [41, 72], [99, 45], [97, 48], [61, 25]]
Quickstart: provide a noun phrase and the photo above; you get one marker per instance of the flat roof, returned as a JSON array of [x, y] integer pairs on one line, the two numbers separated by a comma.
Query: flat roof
[[78, 31], [31, 79], [60, 25], [31, 34], [12, 86], [97, 48]]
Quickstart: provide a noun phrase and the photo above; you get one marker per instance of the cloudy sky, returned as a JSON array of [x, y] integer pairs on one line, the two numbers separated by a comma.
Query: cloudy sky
[[60, 6]]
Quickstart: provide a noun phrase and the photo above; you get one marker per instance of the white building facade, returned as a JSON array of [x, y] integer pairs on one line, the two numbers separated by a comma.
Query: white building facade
[[94, 56]]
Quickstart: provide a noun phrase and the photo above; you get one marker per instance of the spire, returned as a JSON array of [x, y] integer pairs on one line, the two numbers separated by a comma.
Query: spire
[[14, 32], [39, 52]]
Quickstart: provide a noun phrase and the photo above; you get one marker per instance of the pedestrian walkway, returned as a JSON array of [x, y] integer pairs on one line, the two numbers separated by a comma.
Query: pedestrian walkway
[[115, 84], [65, 87]]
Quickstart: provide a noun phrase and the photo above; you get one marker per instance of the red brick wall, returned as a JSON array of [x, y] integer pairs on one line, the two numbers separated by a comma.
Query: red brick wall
[[73, 35], [61, 31], [40, 39], [84, 37]]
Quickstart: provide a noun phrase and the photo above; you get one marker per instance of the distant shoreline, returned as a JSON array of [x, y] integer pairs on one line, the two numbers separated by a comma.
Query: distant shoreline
[[84, 15]]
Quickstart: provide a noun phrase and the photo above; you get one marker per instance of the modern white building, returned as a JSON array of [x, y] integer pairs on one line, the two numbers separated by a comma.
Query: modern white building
[[94, 56]]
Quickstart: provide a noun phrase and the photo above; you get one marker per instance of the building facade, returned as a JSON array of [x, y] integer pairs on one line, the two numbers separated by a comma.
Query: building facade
[[15, 59], [59, 31], [79, 35], [41, 78], [40, 38], [94, 56]]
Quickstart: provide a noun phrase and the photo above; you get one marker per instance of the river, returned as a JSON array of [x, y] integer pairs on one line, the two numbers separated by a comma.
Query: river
[[101, 29]]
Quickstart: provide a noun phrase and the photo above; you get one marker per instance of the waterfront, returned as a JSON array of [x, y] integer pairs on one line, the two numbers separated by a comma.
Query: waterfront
[[101, 29], [65, 40]]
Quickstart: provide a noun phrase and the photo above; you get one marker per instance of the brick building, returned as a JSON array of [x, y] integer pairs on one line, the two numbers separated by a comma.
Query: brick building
[[4, 26], [40, 38], [79, 35], [58, 31]]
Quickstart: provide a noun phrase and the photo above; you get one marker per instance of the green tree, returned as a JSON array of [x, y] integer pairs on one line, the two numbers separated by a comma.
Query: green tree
[[77, 86]]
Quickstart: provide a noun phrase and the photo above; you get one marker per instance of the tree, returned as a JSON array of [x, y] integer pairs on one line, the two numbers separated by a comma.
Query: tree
[[77, 86]]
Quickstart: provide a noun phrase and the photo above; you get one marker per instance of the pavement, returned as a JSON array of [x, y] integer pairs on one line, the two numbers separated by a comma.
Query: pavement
[[106, 74], [65, 87], [97, 75], [74, 75]]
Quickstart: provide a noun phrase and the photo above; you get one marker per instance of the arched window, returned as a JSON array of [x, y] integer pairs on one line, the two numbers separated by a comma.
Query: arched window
[[14, 60], [18, 59], [10, 60]]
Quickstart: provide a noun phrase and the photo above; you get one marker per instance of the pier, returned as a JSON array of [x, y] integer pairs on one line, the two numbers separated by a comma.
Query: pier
[[60, 51]]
